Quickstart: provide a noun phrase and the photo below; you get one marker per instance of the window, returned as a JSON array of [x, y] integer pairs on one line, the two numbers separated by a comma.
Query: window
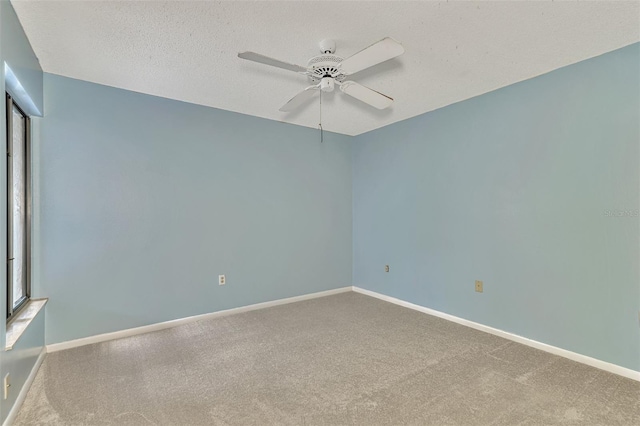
[[18, 207]]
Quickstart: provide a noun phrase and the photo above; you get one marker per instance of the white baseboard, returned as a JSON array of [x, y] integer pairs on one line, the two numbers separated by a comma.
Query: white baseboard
[[603, 365], [593, 362], [173, 323], [13, 413]]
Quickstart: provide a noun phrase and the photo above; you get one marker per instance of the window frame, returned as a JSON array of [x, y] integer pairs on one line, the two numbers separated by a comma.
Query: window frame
[[11, 309]]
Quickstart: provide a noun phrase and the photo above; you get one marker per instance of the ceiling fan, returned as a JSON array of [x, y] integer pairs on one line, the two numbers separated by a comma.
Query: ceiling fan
[[328, 70]]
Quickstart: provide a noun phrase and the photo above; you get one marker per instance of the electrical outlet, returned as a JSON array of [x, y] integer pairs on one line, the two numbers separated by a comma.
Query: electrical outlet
[[221, 280], [386, 268], [7, 385], [479, 286]]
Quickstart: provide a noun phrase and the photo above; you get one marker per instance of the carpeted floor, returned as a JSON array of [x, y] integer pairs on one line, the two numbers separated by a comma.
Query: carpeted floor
[[339, 360]]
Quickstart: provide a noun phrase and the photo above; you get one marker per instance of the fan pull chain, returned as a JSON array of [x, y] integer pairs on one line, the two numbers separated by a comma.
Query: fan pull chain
[[320, 125]]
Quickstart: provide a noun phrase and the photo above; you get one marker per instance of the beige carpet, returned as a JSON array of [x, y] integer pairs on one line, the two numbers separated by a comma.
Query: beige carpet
[[340, 360]]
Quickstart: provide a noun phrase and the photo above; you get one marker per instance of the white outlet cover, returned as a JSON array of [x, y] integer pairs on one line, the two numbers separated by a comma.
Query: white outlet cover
[[221, 280]]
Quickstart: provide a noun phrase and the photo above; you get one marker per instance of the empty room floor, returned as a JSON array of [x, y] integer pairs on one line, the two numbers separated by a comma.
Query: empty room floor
[[343, 359]]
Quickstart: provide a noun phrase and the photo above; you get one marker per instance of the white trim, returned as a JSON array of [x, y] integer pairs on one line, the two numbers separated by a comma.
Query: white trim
[[13, 413], [55, 347], [593, 362]]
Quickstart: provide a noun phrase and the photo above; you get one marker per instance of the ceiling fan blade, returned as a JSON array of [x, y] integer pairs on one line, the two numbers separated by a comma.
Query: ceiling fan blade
[[256, 57], [366, 95], [385, 49], [299, 99]]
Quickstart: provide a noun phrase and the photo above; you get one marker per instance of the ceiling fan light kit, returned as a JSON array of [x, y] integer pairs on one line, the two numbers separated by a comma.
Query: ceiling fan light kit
[[327, 70]]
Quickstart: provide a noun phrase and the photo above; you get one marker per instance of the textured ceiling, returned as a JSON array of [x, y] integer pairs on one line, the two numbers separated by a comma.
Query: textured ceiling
[[187, 50]]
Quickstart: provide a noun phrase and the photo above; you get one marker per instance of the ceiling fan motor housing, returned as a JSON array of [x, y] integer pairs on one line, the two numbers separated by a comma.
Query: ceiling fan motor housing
[[323, 66]]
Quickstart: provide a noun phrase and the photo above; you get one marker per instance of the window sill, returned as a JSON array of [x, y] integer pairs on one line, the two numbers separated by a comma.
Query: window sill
[[17, 326]]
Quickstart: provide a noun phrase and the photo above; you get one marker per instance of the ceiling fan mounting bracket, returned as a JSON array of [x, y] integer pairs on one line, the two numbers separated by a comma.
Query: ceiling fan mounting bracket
[[327, 46]]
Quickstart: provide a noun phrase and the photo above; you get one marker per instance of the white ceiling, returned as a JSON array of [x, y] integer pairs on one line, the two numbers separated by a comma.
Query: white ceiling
[[187, 50]]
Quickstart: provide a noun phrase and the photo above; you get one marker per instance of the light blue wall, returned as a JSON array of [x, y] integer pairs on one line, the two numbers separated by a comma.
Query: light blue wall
[[26, 85], [513, 188], [144, 201]]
